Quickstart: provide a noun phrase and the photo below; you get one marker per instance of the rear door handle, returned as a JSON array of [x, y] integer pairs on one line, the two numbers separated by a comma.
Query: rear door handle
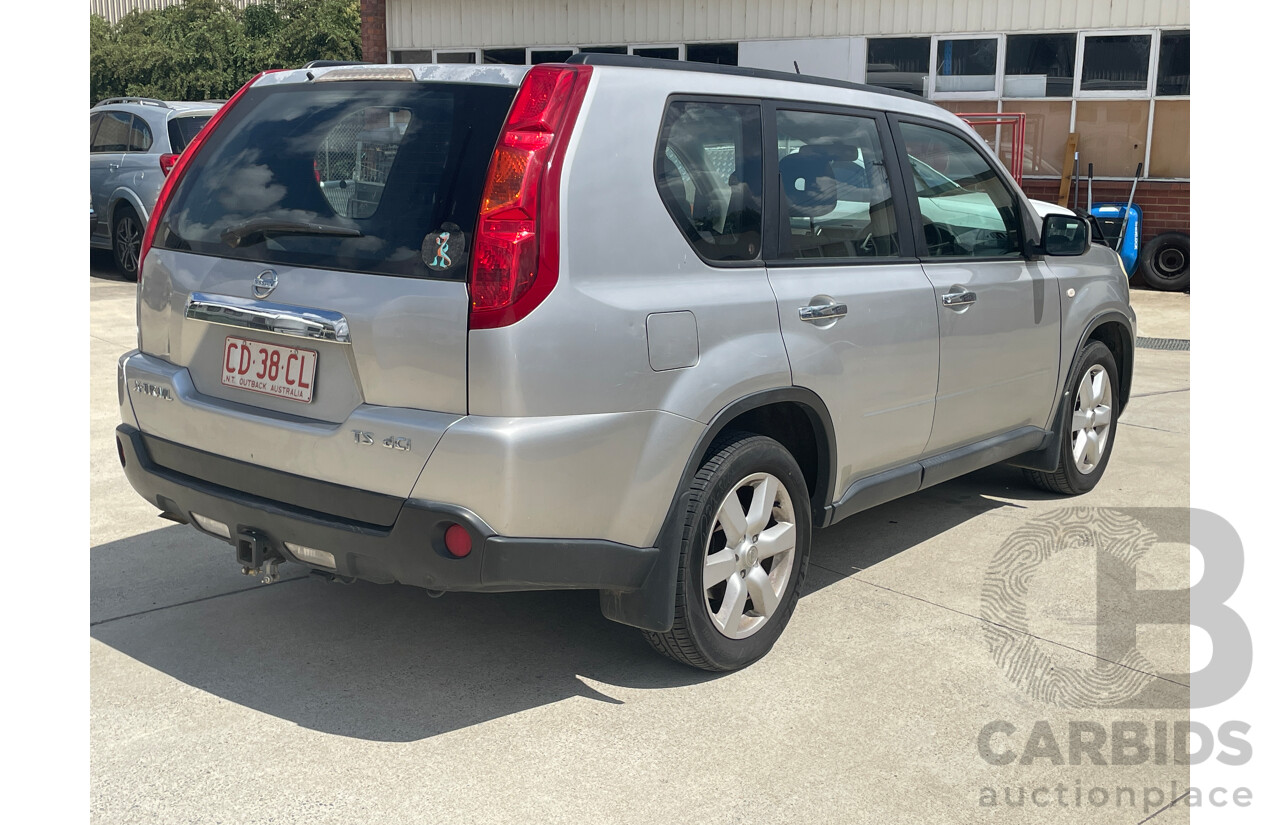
[[958, 299], [823, 312]]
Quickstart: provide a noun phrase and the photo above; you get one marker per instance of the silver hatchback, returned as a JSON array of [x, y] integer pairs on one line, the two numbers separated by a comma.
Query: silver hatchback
[[133, 143], [616, 324]]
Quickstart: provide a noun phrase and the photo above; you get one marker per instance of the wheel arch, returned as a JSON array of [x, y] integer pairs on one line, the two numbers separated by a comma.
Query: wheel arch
[[1114, 330], [797, 418], [126, 196]]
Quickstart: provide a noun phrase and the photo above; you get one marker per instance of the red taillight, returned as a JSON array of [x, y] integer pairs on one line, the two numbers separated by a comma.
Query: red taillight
[[167, 161], [179, 165], [515, 258]]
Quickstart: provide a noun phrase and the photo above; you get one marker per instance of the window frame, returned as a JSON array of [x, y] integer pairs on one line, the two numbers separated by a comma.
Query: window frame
[[1153, 57], [1029, 226], [655, 172], [1075, 63], [931, 87], [773, 212]]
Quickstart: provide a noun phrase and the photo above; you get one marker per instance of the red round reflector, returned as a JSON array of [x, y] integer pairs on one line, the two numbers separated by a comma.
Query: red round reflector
[[457, 540]]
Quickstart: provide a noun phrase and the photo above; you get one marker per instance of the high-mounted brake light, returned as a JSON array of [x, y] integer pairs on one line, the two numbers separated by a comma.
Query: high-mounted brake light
[[515, 259], [180, 164]]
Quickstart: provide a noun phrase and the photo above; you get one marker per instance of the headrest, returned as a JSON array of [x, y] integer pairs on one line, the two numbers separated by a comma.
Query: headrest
[[808, 182]]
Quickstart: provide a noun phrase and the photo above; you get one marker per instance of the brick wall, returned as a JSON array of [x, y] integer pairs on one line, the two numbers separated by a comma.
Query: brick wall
[[1166, 206], [373, 30]]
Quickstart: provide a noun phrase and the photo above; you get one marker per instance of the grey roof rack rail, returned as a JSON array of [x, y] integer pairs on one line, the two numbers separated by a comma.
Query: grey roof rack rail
[[738, 71], [146, 101]]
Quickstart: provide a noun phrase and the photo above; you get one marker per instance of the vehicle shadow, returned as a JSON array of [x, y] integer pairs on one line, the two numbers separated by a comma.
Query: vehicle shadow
[[390, 663]]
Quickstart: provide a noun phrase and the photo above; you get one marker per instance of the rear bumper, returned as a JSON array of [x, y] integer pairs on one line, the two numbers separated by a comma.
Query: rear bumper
[[407, 546]]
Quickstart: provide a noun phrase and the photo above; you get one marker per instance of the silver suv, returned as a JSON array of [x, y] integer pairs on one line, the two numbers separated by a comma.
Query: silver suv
[[619, 325], [133, 143]]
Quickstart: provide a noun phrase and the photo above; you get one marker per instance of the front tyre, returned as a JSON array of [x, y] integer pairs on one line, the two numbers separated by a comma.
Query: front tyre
[[1090, 433], [743, 556]]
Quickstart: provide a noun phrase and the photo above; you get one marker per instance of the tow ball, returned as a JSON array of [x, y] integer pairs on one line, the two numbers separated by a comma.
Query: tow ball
[[257, 557]]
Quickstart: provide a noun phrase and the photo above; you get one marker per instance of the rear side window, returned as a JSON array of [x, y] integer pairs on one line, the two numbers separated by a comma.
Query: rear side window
[[183, 129], [708, 169], [139, 135], [360, 176], [835, 192]]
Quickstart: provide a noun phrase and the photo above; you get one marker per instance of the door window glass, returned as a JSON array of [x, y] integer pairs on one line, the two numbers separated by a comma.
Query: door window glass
[[113, 133], [964, 206], [835, 199], [139, 135], [708, 173], [94, 120]]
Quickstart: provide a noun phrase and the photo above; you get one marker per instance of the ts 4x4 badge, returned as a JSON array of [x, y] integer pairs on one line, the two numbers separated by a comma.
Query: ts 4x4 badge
[[391, 442]]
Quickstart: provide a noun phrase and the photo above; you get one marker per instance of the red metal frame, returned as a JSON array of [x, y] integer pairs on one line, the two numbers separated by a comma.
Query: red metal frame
[[1017, 120]]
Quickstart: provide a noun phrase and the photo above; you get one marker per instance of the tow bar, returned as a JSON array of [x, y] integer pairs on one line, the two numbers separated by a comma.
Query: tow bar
[[257, 557]]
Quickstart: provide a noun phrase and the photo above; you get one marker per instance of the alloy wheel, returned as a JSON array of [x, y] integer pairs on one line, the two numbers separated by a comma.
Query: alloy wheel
[[750, 555]]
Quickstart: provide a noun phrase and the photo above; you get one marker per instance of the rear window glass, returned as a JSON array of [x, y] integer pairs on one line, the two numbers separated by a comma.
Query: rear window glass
[[183, 129], [360, 176]]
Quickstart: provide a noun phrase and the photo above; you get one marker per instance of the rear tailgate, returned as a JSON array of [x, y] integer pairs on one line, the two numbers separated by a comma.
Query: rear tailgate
[[306, 289]]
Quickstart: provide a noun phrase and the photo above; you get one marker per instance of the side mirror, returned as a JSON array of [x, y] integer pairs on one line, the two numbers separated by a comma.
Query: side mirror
[[1064, 235]]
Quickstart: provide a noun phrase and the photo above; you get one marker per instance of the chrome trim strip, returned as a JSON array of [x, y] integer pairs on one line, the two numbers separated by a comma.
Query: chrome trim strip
[[282, 319]]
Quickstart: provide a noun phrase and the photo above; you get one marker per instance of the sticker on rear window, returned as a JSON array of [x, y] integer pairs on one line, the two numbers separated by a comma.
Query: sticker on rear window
[[444, 250]]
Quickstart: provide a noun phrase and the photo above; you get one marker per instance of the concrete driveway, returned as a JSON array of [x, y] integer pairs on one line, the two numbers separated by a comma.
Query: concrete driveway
[[216, 699]]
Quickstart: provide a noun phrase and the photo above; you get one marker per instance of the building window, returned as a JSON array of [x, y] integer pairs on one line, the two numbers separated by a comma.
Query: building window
[[1113, 135], [966, 65], [660, 52], [1116, 63], [412, 56], [455, 57], [603, 50], [1171, 140], [900, 63], [537, 56], [1039, 65], [508, 57], [723, 54], [1174, 74]]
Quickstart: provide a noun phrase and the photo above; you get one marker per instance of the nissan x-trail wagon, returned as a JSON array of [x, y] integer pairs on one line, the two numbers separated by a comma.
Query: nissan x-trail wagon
[[619, 325]]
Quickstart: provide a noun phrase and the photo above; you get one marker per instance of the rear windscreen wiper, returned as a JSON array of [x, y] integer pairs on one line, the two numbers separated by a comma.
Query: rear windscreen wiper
[[257, 230]]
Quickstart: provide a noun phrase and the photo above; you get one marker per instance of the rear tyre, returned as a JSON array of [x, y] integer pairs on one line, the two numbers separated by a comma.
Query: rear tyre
[[743, 556], [1166, 262], [1090, 430], [126, 241]]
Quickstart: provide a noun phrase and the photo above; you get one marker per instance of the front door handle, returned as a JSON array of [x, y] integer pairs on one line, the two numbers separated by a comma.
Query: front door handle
[[959, 298], [818, 313]]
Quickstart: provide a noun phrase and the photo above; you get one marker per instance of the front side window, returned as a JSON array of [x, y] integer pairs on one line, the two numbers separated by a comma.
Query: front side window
[[965, 208], [95, 120], [708, 171], [835, 200]]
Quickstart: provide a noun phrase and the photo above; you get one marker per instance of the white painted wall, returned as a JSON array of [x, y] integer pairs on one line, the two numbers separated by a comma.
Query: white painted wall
[[436, 24], [843, 58]]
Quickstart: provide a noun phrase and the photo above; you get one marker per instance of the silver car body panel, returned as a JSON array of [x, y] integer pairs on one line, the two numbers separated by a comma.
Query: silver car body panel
[[876, 368], [565, 424]]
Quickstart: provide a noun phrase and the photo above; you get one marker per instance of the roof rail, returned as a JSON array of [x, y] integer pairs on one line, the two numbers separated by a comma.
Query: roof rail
[[146, 101], [324, 64], [737, 71]]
